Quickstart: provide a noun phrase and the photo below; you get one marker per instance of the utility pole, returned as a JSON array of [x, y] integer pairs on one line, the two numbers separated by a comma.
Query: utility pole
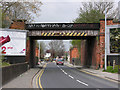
[[105, 41]]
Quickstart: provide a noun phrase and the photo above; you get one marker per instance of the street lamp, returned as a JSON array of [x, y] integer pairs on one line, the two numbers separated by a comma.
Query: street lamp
[[105, 41], [39, 50]]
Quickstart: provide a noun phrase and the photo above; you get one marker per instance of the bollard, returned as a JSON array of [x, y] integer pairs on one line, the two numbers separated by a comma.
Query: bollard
[[113, 64], [108, 63]]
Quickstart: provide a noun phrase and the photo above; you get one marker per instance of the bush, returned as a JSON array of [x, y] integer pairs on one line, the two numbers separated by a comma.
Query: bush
[[5, 64], [110, 69]]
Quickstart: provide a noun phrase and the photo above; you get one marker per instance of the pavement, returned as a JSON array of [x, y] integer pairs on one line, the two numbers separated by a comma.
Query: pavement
[[111, 76], [24, 80]]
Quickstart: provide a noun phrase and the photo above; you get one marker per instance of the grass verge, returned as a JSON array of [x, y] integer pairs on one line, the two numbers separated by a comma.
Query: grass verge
[[110, 69]]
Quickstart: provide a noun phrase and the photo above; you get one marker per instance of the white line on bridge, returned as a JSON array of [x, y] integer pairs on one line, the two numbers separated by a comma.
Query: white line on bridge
[[82, 82]]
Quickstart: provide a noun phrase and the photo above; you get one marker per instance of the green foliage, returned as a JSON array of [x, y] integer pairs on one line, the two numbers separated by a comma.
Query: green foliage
[[110, 69], [92, 16], [5, 64], [2, 62], [92, 12]]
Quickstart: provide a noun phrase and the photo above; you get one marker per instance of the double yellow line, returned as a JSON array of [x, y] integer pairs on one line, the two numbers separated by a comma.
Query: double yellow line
[[38, 84]]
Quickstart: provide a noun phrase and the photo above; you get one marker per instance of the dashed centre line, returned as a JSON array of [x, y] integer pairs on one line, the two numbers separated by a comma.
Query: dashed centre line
[[65, 73], [71, 76], [82, 82]]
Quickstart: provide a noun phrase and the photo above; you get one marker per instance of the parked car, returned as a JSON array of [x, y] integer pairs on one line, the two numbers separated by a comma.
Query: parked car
[[60, 61]]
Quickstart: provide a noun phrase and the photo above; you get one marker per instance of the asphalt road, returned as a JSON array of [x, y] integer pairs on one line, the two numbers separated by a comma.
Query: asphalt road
[[58, 76]]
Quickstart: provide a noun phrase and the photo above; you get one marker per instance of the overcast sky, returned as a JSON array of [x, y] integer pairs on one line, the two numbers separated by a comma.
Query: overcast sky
[[61, 11]]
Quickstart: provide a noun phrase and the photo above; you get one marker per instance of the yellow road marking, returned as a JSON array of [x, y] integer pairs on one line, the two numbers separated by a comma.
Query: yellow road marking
[[39, 76]]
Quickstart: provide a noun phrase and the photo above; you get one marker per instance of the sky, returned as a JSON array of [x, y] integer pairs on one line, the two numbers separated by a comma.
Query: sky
[[58, 12], [61, 11]]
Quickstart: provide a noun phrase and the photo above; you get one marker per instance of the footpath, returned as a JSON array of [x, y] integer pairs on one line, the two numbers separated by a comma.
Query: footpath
[[24, 80], [99, 73]]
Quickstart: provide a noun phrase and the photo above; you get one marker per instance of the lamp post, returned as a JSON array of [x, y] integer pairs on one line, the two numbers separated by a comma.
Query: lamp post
[[39, 50], [105, 41]]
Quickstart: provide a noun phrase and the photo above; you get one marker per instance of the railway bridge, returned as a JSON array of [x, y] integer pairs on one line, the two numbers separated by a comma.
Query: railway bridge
[[65, 31]]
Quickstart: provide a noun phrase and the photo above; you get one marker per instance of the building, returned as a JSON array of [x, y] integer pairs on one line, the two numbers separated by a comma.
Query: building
[[74, 54]]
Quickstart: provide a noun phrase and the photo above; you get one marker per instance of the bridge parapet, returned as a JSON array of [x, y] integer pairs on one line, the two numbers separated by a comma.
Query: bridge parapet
[[63, 29]]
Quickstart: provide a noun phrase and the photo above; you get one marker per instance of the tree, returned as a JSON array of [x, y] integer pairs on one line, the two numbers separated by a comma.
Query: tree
[[93, 12], [57, 48], [42, 48], [19, 10]]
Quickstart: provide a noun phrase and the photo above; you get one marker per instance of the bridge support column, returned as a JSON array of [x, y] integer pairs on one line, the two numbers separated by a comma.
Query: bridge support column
[[88, 52], [32, 53]]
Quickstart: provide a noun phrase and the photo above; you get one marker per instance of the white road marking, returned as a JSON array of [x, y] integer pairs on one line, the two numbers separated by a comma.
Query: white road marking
[[82, 82], [65, 73], [71, 76]]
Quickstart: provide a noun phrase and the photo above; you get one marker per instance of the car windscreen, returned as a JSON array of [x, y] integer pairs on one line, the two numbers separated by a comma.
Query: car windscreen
[[59, 60]]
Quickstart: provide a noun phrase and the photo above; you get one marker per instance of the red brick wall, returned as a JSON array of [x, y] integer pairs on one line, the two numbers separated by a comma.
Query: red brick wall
[[36, 52], [27, 50], [18, 24], [102, 40], [82, 52], [74, 53]]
